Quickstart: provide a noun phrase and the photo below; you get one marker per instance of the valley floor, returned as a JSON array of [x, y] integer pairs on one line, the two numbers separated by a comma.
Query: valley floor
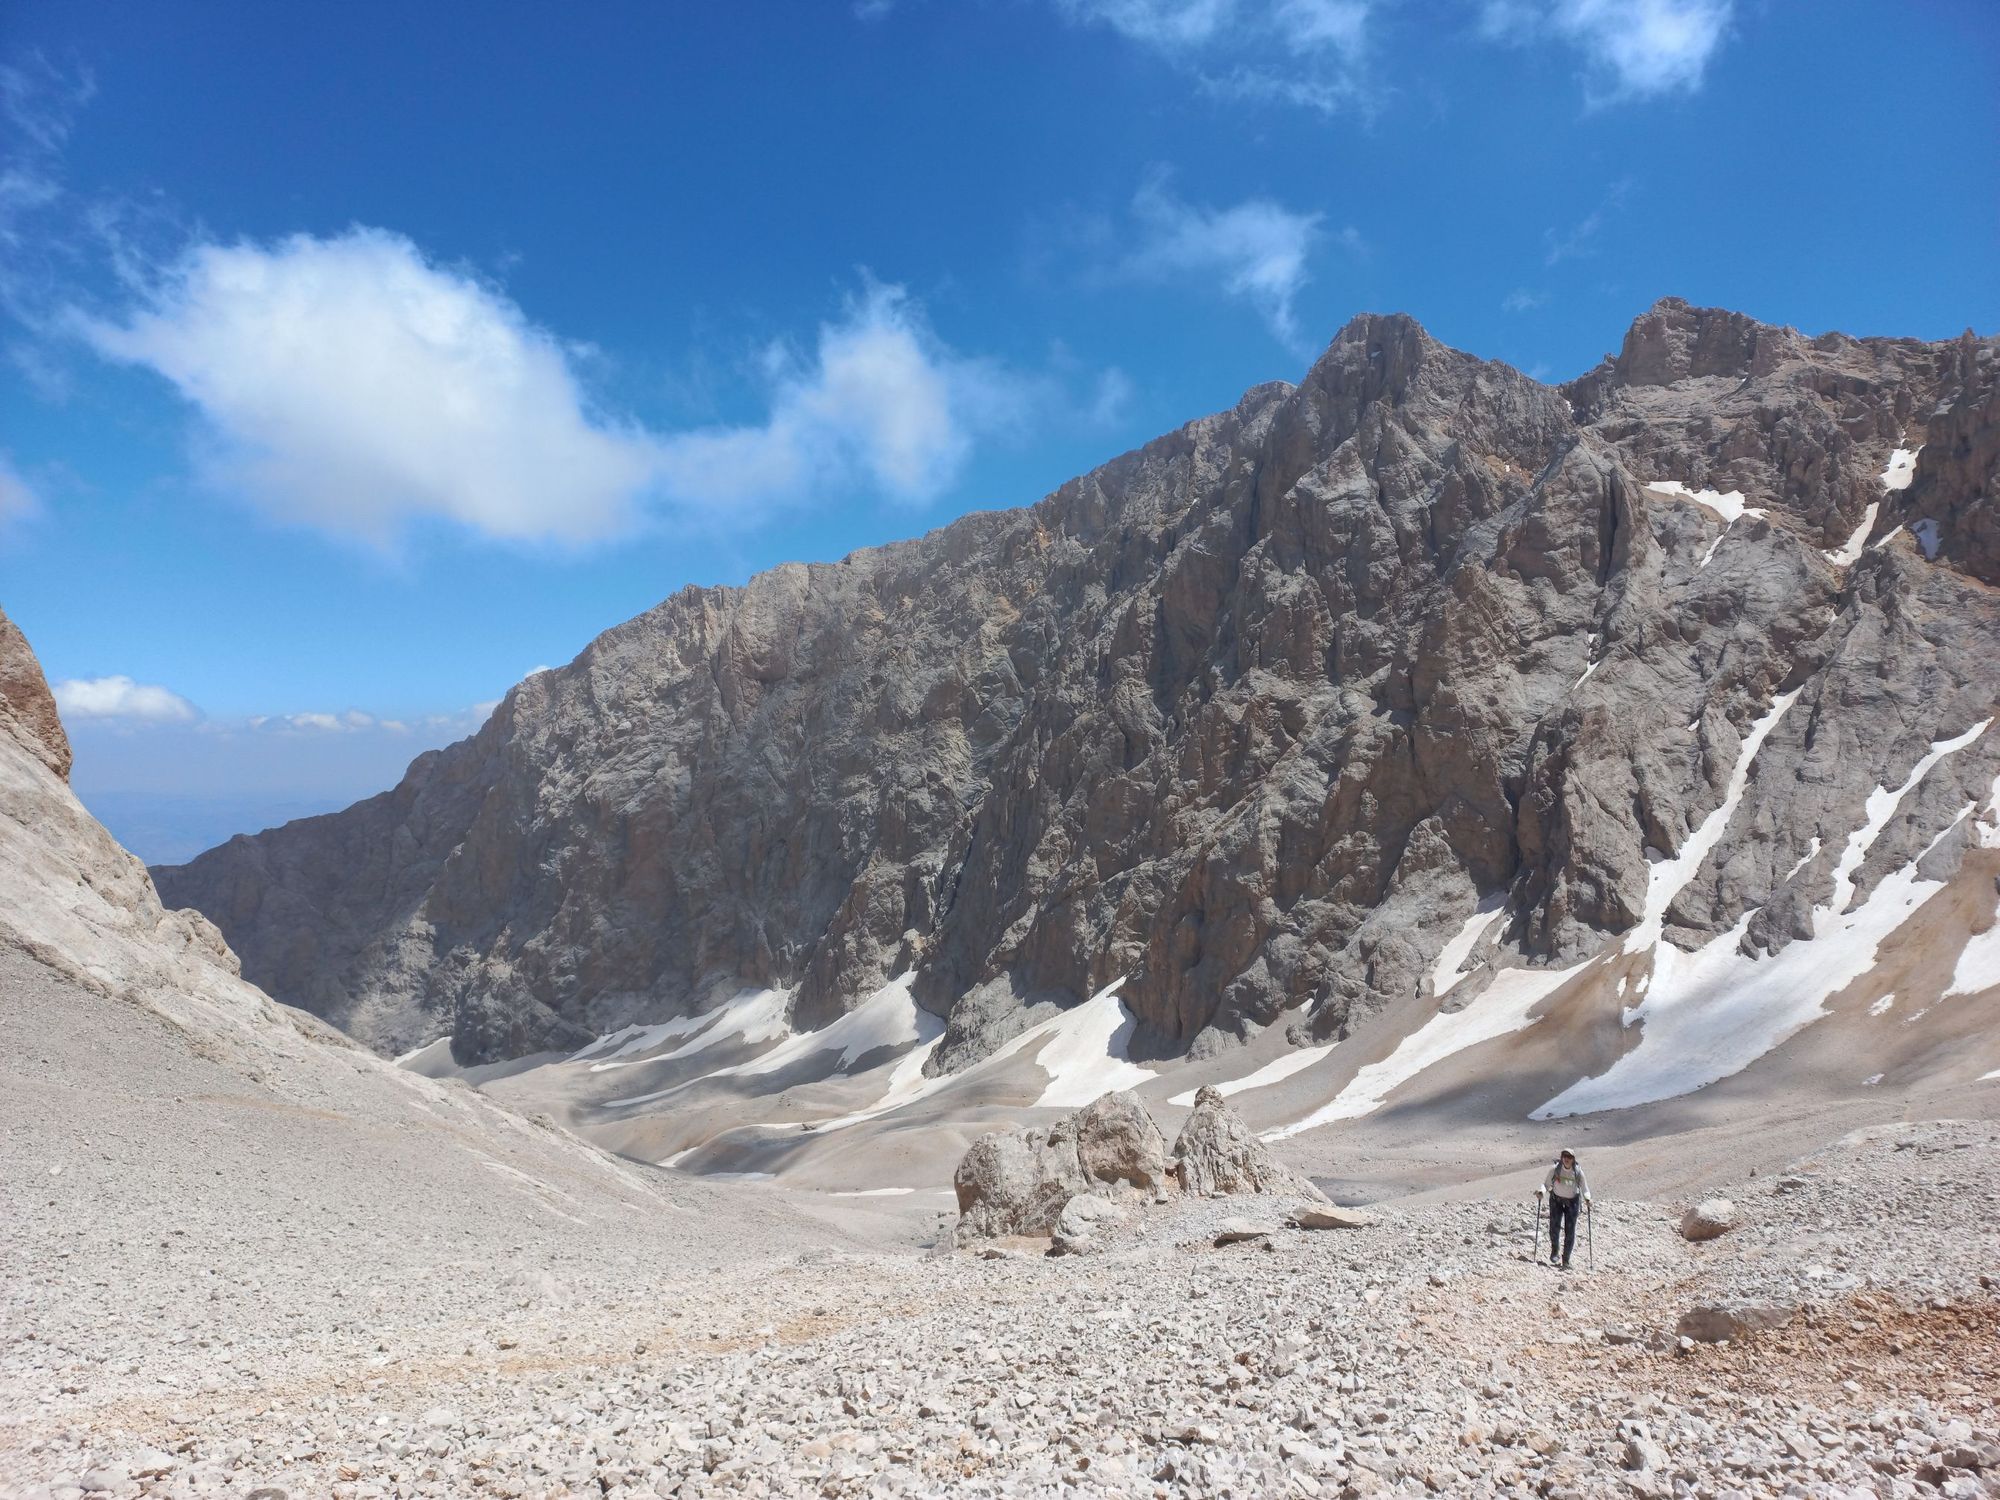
[[187, 1312]]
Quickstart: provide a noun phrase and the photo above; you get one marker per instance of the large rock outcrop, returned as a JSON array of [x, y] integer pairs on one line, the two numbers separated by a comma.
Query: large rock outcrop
[[1053, 1181], [1217, 1154], [1018, 1182], [27, 707], [72, 898], [1255, 716]]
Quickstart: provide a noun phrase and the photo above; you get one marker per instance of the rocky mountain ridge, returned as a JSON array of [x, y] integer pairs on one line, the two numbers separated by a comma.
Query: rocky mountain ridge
[[1256, 716]]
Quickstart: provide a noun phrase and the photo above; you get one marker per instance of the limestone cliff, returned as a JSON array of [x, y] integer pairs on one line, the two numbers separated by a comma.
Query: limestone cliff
[[1255, 716]]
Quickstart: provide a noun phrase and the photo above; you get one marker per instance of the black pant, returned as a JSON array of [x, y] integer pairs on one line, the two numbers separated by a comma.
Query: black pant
[[1562, 1226]]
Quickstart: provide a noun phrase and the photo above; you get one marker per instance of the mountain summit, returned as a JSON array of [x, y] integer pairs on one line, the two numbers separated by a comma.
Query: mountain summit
[[1293, 713]]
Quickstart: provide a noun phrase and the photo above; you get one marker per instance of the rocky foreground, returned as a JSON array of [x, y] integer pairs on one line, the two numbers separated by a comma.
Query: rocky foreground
[[1425, 1353]]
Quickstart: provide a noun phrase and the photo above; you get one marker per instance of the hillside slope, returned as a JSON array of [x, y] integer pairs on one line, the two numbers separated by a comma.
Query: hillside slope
[[1257, 718], [210, 1192]]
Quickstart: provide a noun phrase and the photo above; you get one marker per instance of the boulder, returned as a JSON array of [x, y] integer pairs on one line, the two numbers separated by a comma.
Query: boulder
[[1217, 1154], [1014, 1182], [1708, 1219], [1328, 1216], [1119, 1147], [1086, 1221], [1019, 1182], [1712, 1323], [1243, 1231]]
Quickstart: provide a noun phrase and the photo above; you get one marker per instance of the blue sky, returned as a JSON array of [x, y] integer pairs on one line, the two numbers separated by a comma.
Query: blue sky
[[360, 359]]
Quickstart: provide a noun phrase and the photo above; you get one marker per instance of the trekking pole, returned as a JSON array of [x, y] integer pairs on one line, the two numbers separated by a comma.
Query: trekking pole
[[1535, 1245], [1590, 1232]]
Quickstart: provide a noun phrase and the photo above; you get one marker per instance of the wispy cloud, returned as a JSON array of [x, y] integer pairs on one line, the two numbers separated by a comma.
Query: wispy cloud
[[1111, 400], [1632, 49], [1521, 300], [39, 102], [1301, 52], [119, 697], [18, 500], [1257, 250], [1580, 239]]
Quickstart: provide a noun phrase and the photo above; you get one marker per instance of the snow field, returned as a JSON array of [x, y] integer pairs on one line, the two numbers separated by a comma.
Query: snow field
[[1711, 1013], [1503, 1008], [1295, 1061]]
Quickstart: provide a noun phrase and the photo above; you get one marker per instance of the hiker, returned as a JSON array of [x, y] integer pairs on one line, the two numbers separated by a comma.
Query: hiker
[[1567, 1190]]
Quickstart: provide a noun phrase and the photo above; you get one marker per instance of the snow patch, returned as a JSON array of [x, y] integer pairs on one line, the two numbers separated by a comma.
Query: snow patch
[[1590, 662], [1849, 552], [1881, 1007], [887, 1018], [1901, 468], [752, 1017], [1879, 809], [1871, 1080], [1726, 508], [872, 1193], [1811, 854], [1296, 1061], [418, 1059], [634, 1039], [1713, 1012], [1978, 965], [1085, 1055], [1987, 829], [906, 1085], [1501, 1009], [1668, 877], [1458, 947]]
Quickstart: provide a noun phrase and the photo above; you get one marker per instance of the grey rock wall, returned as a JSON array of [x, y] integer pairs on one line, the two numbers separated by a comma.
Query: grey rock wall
[[1254, 715]]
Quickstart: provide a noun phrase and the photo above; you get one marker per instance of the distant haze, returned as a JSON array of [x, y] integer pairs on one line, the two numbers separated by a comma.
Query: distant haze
[[167, 794]]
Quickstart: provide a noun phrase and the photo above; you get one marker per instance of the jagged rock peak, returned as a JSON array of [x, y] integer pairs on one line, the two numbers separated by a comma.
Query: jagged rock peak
[[27, 707]]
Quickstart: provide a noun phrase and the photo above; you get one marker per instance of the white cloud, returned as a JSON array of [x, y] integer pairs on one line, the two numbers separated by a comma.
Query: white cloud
[[1632, 49], [1112, 398], [1256, 249], [882, 403], [18, 499], [351, 385], [120, 697], [1521, 299], [1304, 52]]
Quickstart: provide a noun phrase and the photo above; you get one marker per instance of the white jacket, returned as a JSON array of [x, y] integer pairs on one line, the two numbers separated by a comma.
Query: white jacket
[[1570, 1184]]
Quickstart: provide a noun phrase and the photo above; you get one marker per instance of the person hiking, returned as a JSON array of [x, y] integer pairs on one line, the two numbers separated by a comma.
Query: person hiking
[[1567, 1192]]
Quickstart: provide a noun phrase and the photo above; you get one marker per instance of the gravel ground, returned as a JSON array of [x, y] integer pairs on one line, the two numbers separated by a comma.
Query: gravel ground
[[1425, 1354]]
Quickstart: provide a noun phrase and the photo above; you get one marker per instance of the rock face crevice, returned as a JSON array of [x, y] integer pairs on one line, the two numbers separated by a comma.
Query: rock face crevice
[[27, 708], [1254, 716]]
